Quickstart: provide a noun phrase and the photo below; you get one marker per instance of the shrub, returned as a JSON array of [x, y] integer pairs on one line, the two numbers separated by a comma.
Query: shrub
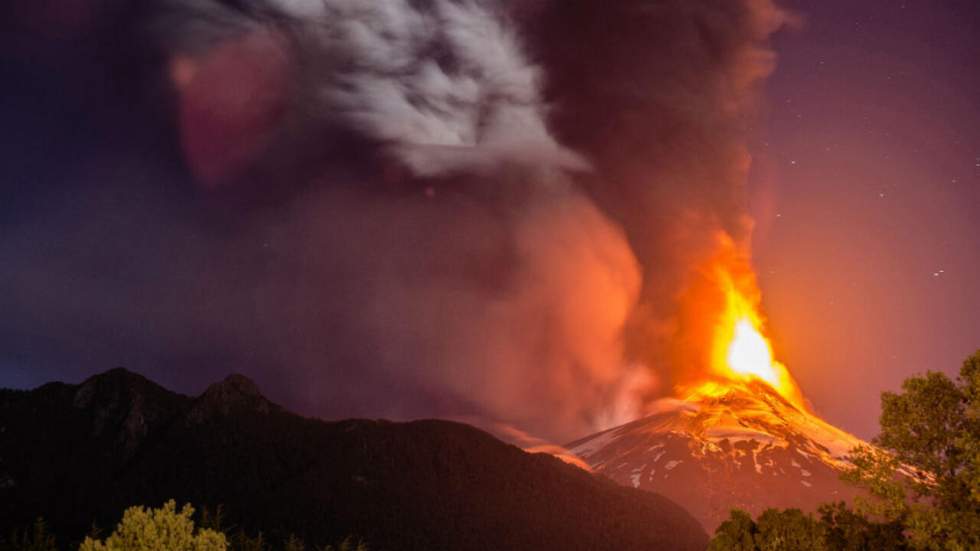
[[163, 529]]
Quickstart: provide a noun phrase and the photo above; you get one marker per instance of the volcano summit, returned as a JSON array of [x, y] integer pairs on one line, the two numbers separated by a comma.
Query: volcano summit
[[736, 445]]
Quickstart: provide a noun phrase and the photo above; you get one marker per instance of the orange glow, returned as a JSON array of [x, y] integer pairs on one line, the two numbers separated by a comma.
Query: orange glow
[[740, 350], [749, 353]]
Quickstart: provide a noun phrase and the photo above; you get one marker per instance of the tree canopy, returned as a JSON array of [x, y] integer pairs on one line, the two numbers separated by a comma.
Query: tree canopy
[[925, 472], [163, 529]]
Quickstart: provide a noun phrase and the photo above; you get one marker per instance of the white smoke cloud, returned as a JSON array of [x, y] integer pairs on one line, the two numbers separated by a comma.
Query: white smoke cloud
[[444, 85], [447, 87]]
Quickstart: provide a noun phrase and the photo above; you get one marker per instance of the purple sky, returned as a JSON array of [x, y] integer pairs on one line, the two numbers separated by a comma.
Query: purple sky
[[867, 195]]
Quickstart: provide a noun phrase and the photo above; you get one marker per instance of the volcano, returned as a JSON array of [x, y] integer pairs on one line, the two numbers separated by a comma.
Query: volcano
[[737, 444], [743, 436]]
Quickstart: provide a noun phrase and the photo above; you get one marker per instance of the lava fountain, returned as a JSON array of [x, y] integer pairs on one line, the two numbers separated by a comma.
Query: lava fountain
[[739, 350]]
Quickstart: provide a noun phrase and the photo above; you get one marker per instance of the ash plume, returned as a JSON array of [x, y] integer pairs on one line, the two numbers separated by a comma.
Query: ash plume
[[662, 107], [407, 208]]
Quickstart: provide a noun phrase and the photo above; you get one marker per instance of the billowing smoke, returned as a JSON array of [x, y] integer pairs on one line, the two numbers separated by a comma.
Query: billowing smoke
[[661, 107], [443, 86], [404, 208]]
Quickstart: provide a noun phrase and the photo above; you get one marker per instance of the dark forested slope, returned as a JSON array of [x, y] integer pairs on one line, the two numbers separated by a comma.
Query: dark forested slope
[[80, 454]]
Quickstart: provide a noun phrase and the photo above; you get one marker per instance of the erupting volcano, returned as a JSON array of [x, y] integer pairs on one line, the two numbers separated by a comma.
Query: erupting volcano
[[740, 436]]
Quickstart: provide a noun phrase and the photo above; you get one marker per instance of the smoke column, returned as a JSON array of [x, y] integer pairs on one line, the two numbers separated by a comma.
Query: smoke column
[[661, 108]]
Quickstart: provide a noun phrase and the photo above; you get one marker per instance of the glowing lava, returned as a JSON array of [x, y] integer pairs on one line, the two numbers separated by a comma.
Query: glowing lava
[[741, 351], [726, 306], [749, 353]]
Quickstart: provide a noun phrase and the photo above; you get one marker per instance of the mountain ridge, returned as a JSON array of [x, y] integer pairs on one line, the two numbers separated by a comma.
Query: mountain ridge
[[75, 454]]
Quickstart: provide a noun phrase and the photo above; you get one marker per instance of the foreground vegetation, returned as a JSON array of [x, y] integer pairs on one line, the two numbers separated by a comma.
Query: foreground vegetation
[[923, 481], [166, 529]]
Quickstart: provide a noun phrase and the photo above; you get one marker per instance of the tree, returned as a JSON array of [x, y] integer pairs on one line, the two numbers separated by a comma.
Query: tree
[[775, 530], [163, 529], [925, 472], [847, 530], [735, 534], [788, 529], [35, 539]]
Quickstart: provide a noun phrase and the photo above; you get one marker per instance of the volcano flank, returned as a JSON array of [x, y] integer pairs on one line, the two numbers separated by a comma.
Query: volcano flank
[[738, 445]]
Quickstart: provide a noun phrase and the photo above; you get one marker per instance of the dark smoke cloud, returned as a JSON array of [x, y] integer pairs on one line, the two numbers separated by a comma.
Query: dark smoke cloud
[[662, 106], [398, 208]]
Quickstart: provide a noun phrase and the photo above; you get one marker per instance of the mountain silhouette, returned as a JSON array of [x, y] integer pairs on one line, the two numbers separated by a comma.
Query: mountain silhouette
[[80, 454]]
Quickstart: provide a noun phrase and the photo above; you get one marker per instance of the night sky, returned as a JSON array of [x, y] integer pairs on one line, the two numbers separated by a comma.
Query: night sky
[[868, 182], [865, 189]]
